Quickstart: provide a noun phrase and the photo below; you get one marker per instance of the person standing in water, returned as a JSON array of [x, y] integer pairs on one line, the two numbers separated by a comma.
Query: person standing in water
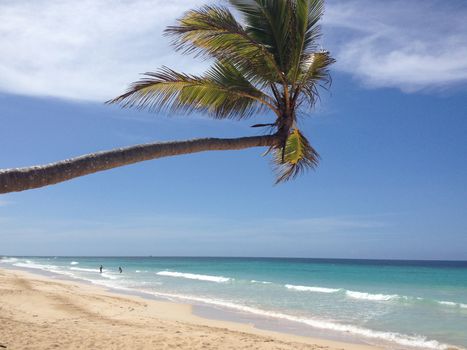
[[120, 269], [100, 269]]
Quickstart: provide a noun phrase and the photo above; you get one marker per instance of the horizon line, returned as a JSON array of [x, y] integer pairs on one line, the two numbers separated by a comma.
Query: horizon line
[[227, 257]]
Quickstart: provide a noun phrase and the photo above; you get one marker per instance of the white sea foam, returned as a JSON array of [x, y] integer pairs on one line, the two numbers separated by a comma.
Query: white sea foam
[[74, 263], [372, 297], [449, 303], [83, 269], [453, 304], [311, 289], [109, 276], [369, 296], [401, 339], [49, 268], [262, 282], [348, 293], [68, 274], [193, 276], [8, 260], [31, 265], [104, 274]]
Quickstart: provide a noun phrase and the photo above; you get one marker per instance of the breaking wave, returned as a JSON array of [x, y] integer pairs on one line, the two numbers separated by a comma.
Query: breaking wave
[[311, 289], [261, 282], [453, 304], [373, 297], [193, 276]]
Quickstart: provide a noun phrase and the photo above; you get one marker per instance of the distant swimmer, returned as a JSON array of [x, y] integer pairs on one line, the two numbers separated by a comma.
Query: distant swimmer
[[120, 269], [100, 269]]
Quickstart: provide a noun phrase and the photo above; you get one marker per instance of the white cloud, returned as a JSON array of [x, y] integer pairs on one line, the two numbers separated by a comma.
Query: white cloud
[[410, 45], [84, 49], [92, 49]]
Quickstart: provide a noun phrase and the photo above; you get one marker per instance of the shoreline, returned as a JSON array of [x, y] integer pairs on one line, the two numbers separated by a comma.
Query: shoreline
[[83, 299], [216, 313]]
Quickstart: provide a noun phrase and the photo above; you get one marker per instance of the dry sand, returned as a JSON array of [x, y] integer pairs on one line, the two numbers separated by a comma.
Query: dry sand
[[42, 313]]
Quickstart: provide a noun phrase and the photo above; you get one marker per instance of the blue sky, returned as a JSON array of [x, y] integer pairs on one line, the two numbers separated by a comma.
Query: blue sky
[[391, 133]]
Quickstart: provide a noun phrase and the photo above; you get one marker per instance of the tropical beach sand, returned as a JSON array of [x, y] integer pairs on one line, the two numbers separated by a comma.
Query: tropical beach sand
[[37, 312]]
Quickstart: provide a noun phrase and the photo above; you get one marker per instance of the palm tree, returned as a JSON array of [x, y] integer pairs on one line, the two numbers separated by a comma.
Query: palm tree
[[268, 60]]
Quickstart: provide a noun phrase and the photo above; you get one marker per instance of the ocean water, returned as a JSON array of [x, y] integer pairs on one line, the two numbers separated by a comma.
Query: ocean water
[[396, 304]]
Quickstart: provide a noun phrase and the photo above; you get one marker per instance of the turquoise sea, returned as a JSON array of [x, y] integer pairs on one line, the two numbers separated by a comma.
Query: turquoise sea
[[397, 304]]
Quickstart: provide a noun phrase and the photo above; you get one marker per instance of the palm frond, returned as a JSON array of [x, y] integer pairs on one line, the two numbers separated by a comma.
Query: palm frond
[[314, 74], [306, 33], [156, 91], [268, 23], [214, 31], [222, 92], [309, 13], [286, 27], [296, 157]]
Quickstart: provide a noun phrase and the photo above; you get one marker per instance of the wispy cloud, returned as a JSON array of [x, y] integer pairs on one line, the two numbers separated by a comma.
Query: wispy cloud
[[411, 45], [91, 50], [88, 50]]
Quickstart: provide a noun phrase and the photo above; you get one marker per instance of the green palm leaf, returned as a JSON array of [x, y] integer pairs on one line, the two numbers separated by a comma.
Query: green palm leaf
[[314, 73], [268, 23], [296, 157], [306, 32], [222, 92], [214, 31]]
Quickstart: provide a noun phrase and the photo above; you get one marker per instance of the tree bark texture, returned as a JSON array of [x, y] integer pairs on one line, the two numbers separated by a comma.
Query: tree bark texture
[[20, 179]]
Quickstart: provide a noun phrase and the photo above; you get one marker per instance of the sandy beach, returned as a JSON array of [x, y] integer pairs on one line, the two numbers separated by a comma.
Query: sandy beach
[[37, 312]]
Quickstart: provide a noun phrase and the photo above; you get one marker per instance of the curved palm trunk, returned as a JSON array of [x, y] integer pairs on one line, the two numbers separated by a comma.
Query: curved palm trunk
[[20, 179]]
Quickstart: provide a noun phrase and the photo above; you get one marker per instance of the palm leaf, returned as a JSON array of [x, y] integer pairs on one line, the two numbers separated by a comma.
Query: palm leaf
[[306, 32], [296, 157], [314, 74], [222, 92], [268, 23], [287, 28], [214, 31], [309, 13]]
